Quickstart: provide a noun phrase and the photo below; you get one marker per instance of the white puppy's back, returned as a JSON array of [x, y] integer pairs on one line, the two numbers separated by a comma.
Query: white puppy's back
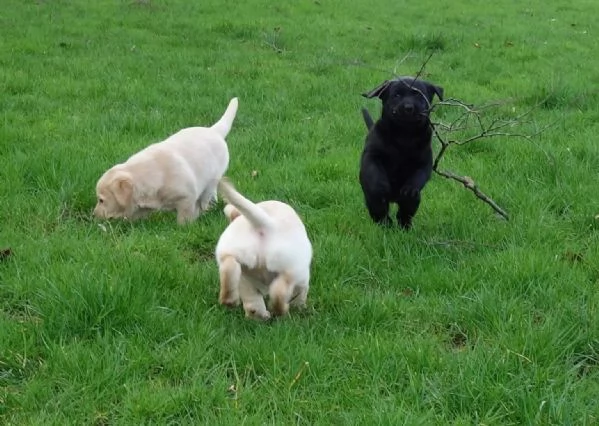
[[281, 246], [201, 147], [269, 234]]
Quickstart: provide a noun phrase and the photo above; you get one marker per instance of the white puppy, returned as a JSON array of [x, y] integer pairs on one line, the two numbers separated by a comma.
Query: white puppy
[[264, 250], [180, 173]]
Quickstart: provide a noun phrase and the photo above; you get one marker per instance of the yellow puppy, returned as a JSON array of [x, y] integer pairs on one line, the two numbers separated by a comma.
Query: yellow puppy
[[264, 250], [180, 173]]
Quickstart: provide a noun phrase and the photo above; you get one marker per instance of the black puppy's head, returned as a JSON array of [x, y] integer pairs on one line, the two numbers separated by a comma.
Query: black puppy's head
[[406, 100]]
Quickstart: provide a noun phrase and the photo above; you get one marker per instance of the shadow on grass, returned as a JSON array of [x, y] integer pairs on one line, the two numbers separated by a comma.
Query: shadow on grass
[[586, 361], [425, 42]]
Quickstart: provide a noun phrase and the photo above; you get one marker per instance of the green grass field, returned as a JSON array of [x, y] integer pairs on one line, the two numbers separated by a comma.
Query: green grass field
[[467, 319]]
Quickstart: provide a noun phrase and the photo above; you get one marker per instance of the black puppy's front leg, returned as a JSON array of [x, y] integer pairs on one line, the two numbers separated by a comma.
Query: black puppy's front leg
[[408, 206], [409, 196], [378, 208], [376, 188]]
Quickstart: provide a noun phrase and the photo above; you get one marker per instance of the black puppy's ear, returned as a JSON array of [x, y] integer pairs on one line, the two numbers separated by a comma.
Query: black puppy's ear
[[436, 90], [378, 91]]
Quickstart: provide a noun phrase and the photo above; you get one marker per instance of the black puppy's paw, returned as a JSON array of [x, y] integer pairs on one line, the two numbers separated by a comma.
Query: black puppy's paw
[[409, 191]]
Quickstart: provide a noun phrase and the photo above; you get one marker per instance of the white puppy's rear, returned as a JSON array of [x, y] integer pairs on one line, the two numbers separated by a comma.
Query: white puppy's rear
[[179, 173], [264, 250]]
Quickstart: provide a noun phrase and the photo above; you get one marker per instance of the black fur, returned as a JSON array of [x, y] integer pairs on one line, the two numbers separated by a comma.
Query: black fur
[[397, 159], [367, 118]]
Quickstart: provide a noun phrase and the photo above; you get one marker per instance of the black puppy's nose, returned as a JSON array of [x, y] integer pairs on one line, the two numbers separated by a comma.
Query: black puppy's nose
[[408, 108]]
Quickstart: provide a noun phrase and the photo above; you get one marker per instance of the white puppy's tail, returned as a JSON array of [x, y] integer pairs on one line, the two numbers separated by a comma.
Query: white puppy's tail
[[254, 214], [223, 126]]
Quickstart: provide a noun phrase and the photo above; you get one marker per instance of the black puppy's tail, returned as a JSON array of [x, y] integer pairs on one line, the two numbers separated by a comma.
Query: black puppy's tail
[[367, 118]]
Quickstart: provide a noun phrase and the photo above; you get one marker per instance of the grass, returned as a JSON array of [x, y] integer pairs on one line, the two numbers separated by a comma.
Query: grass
[[468, 319]]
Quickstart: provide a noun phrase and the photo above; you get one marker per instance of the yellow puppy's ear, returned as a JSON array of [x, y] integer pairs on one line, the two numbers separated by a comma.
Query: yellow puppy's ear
[[122, 188]]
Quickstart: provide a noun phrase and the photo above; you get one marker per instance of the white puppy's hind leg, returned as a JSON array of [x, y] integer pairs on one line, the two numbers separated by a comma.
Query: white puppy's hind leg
[[208, 197], [280, 293], [187, 211], [253, 300], [300, 295], [230, 273]]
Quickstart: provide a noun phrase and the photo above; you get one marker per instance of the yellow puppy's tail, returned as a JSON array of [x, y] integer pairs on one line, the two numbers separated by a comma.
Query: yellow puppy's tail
[[253, 213], [223, 126]]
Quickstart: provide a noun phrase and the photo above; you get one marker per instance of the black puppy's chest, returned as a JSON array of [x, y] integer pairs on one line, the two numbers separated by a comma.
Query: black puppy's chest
[[401, 157]]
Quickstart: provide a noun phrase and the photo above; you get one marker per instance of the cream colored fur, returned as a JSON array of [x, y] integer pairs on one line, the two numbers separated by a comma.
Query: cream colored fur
[[180, 173], [264, 250]]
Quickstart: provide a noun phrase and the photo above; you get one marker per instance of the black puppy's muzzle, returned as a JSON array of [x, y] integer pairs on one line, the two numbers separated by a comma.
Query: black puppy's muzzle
[[408, 112], [407, 109]]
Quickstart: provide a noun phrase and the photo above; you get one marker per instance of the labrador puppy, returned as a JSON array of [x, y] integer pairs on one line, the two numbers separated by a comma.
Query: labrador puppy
[[397, 158], [265, 250], [179, 173]]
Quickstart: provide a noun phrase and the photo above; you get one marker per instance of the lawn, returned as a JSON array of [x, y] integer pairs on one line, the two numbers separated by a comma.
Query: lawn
[[466, 319]]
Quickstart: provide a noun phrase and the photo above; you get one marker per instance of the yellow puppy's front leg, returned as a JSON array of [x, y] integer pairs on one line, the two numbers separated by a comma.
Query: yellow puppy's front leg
[[187, 212], [253, 301]]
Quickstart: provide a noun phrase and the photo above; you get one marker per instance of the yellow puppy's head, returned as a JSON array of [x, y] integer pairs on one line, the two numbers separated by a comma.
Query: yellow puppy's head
[[114, 191]]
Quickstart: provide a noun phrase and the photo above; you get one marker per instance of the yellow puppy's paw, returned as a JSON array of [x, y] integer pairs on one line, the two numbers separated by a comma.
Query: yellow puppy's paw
[[262, 315], [228, 300]]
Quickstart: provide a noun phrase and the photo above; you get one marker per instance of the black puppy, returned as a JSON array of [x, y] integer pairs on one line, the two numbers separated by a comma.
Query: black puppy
[[397, 159]]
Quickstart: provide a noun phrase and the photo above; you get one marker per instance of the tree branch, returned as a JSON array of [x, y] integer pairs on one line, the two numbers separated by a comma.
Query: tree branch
[[471, 119], [471, 185]]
